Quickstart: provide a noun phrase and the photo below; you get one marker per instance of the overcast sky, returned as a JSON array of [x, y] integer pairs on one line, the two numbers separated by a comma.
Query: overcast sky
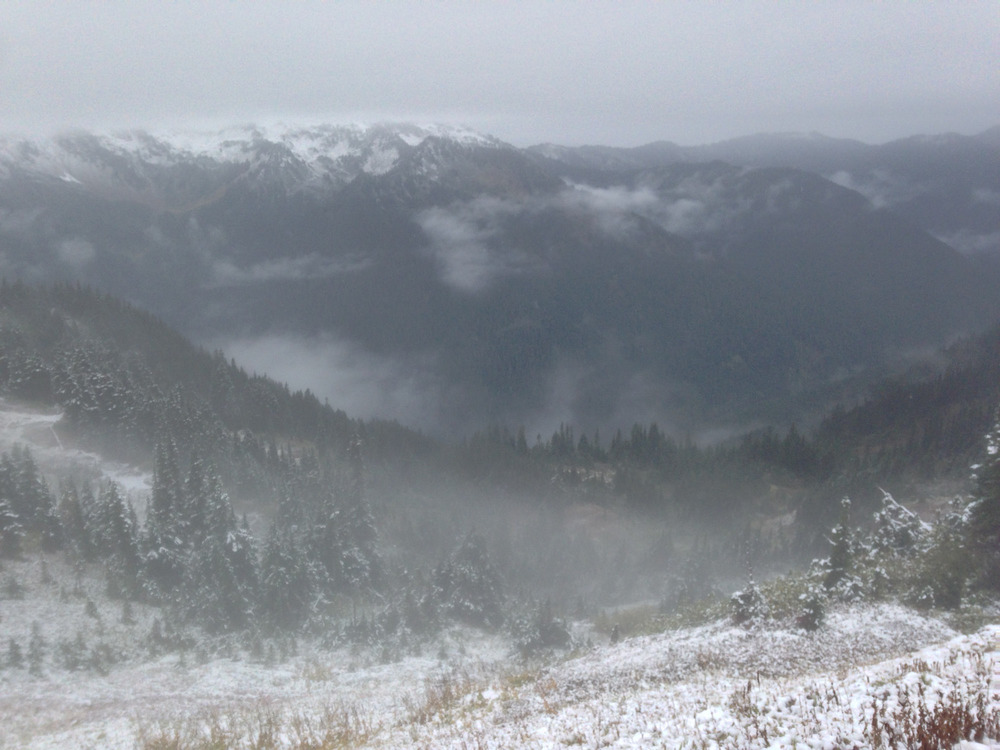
[[620, 73]]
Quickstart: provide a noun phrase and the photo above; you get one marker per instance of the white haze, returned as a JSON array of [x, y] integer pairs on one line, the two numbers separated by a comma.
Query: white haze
[[618, 73], [360, 382]]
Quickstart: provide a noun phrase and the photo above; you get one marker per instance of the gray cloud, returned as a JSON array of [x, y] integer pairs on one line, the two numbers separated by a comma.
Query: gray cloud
[[408, 389], [697, 205], [606, 398], [621, 73], [614, 207], [462, 236], [459, 246]]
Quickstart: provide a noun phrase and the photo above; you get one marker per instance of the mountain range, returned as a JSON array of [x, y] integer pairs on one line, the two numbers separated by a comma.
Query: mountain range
[[443, 277]]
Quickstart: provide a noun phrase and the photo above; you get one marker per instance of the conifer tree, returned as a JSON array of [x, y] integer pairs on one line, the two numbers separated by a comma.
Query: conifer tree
[[287, 588], [37, 647], [22, 485], [468, 586], [362, 566], [984, 515], [324, 544], [842, 551], [163, 542], [76, 535], [15, 657], [117, 539], [11, 529], [89, 507], [220, 583], [195, 501]]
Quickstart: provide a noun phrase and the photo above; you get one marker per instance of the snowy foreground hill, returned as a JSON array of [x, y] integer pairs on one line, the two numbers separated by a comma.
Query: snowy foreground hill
[[869, 672], [80, 670]]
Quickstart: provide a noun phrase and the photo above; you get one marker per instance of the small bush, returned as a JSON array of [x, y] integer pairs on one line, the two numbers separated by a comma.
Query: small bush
[[747, 607], [813, 609], [539, 631]]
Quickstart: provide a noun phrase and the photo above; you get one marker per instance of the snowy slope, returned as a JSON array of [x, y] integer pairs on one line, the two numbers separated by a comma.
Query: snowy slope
[[716, 686]]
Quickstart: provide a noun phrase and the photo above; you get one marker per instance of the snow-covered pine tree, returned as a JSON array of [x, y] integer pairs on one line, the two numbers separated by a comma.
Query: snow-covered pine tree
[[195, 501], [897, 530], [287, 588], [22, 484], [362, 566], [164, 547], [468, 586], [76, 534], [747, 606], [220, 584], [117, 541], [37, 648], [11, 529], [984, 513], [89, 506], [841, 548]]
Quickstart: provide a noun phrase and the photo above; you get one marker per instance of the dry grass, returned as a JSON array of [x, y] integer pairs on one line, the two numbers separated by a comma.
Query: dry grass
[[903, 712], [935, 720], [648, 619], [443, 697], [262, 728]]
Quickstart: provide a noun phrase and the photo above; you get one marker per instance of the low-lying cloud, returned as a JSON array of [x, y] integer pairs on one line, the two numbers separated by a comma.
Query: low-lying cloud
[[226, 273], [986, 196], [362, 383], [20, 222], [464, 238], [972, 243], [699, 204], [76, 252], [881, 188], [614, 208], [462, 241]]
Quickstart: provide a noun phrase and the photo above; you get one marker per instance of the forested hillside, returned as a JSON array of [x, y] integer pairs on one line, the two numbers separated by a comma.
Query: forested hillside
[[330, 496], [127, 383]]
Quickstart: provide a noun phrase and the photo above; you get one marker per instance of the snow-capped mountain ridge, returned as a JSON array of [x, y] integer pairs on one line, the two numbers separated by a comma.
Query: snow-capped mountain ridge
[[135, 164]]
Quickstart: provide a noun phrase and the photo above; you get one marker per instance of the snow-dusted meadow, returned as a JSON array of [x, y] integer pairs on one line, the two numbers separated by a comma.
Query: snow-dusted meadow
[[870, 671], [713, 686]]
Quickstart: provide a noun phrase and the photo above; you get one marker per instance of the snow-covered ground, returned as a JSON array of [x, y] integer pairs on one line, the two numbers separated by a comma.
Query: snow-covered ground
[[145, 693], [715, 686]]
